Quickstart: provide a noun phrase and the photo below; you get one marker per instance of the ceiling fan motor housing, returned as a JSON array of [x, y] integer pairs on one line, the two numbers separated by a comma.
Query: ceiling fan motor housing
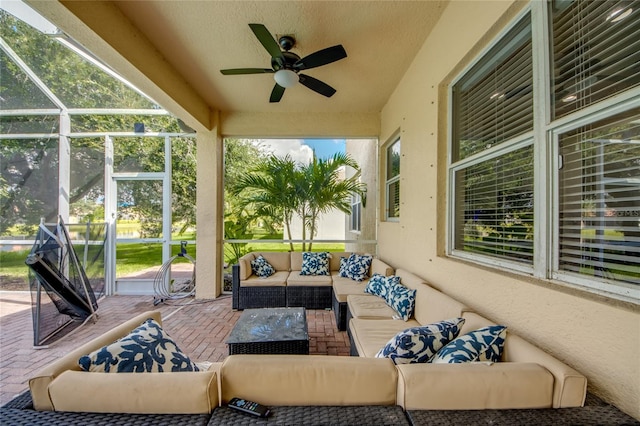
[[290, 59]]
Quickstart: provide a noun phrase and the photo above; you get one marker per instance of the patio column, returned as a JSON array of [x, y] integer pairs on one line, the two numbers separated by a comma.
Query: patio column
[[209, 212]]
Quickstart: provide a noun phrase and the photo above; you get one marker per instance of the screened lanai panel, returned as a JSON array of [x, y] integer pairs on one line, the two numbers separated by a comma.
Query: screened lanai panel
[[17, 90], [29, 124], [138, 155], [599, 230], [82, 123], [29, 189], [596, 51], [73, 79], [86, 200], [183, 187]]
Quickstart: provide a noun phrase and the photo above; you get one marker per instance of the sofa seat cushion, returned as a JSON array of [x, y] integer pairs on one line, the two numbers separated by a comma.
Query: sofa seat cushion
[[371, 336], [309, 380], [370, 307], [343, 287], [296, 279], [276, 280], [474, 386]]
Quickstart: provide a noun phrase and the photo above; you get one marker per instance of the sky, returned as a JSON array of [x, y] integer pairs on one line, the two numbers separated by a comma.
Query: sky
[[301, 150]]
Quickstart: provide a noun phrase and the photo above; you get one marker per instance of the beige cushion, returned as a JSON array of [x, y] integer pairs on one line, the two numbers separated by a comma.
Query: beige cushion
[[342, 287], [160, 393], [369, 336], [245, 266], [370, 307], [277, 279], [570, 387], [431, 305], [309, 380], [281, 261], [334, 261], [296, 260], [308, 280], [379, 267], [474, 386], [473, 322], [39, 383]]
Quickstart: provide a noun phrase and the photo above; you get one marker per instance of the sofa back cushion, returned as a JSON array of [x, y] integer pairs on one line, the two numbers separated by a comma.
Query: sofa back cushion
[[430, 305], [281, 261], [380, 267], [309, 380]]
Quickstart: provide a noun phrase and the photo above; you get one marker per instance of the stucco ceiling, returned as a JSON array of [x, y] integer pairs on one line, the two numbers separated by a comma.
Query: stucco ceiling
[[199, 38]]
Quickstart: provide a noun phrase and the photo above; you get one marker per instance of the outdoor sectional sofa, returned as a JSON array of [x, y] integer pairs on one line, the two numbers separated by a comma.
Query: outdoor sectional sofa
[[287, 287], [312, 389], [526, 377]]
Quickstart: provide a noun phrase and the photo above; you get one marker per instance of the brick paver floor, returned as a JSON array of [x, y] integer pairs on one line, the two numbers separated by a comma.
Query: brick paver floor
[[199, 327]]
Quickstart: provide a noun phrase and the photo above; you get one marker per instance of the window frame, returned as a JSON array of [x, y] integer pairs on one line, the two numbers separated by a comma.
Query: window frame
[[391, 180], [545, 138], [356, 214]]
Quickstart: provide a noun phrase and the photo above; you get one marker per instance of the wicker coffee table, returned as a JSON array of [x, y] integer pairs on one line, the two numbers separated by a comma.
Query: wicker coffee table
[[270, 331]]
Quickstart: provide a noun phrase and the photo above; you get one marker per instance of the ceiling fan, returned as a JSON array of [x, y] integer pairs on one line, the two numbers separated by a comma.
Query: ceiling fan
[[286, 65]]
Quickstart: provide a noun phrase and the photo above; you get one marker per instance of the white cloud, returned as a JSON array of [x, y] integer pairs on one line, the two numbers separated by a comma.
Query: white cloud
[[296, 148]]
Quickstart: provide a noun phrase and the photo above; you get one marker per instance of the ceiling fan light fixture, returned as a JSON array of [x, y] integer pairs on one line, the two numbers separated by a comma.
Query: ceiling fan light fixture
[[286, 78]]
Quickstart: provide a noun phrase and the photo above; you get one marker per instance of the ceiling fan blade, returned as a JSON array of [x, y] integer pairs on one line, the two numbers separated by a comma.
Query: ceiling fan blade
[[321, 57], [276, 93], [237, 71], [317, 85], [267, 40]]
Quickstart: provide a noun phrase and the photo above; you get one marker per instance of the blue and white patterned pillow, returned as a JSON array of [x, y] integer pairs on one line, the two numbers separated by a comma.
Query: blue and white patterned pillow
[[379, 285], [146, 349], [315, 263], [356, 267], [485, 344], [261, 267], [342, 272], [402, 300], [419, 344]]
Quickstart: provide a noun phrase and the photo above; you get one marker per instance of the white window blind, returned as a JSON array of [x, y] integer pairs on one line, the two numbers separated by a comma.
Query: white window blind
[[596, 51], [494, 207], [493, 101], [599, 189]]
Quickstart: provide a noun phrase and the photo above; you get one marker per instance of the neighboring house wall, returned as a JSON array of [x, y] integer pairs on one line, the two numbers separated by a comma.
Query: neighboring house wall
[[330, 227], [365, 153], [575, 326]]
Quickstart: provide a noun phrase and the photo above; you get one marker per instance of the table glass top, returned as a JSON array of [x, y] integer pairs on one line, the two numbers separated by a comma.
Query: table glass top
[[270, 325]]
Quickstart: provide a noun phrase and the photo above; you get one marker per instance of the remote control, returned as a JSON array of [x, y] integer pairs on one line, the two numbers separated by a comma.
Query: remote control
[[248, 407]]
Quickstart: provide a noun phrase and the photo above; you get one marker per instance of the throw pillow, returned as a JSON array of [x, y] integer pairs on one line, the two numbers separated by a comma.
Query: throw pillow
[[402, 300], [315, 263], [419, 344], [342, 272], [485, 344], [146, 349], [262, 268], [379, 285], [356, 267]]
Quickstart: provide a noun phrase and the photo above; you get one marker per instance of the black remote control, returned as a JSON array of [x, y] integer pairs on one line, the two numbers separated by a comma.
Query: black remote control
[[248, 407]]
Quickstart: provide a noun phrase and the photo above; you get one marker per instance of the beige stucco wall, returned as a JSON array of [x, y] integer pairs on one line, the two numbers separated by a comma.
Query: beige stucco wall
[[597, 336], [365, 153]]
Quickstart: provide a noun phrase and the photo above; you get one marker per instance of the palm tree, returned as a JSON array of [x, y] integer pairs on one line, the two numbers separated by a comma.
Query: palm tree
[[325, 190], [272, 190]]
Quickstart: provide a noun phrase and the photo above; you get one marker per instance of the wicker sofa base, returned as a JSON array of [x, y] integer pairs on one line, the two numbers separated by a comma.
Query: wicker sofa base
[[262, 297], [310, 297], [20, 412], [340, 311]]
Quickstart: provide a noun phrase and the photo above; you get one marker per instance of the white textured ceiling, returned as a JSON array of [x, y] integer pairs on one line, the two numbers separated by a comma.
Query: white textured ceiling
[[198, 38]]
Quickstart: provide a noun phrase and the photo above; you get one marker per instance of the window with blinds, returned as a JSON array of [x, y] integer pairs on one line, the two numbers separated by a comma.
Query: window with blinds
[[599, 199], [492, 105], [493, 101], [393, 181], [494, 207], [596, 51]]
